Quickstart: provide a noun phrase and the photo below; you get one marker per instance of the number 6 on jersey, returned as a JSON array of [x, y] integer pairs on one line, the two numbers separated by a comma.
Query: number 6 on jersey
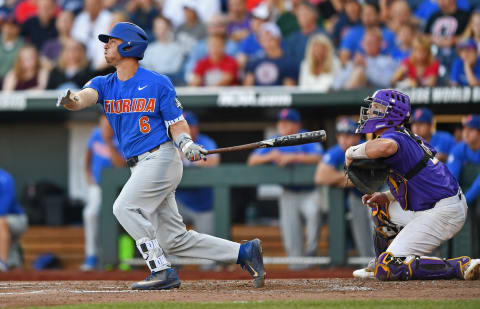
[[144, 125]]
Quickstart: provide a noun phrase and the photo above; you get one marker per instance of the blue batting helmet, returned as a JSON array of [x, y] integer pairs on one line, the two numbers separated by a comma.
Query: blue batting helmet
[[135, 40]]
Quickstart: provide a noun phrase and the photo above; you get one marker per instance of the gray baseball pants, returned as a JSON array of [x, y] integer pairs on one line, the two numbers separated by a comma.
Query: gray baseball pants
[[146, 208], [361, 225]]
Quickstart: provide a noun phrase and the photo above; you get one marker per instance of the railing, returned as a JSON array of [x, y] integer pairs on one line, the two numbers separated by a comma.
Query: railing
[[226, 176]]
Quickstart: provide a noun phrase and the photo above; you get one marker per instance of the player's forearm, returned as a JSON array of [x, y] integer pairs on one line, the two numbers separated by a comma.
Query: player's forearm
[[116, 157], [474, 191], [327, 175], [258, 160], [179, 128], [307, 158], [81, 99], [4, 239]]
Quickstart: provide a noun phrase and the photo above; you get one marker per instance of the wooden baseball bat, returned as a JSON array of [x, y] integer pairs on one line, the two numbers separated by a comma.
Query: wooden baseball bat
[[287, 140]]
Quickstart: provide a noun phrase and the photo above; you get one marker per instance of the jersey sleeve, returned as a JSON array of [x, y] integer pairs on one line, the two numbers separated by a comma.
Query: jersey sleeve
[[91, 139], [6, 195], [97, 83], [473, 191], [455, 160], [170, 107], [334, 157]]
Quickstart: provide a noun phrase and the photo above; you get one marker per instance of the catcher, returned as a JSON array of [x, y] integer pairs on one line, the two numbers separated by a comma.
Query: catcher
[[423, 208]]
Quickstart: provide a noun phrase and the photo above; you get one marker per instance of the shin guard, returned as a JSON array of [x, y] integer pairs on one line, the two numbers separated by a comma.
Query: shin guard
[[391, 268]]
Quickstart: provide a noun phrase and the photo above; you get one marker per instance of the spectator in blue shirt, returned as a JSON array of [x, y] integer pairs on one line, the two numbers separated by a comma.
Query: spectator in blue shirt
[[330, 173], [297, 204], [276, 68], [13, 223], [196, 204], [465, 70], [346, 20], [427, 8], [467, 152], [422, 125], [352, 42]]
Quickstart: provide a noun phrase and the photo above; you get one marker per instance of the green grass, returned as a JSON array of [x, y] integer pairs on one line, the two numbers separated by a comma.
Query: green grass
[[325, 304]]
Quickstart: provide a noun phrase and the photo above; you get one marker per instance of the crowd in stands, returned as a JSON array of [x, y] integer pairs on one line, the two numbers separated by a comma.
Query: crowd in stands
[[323, 45]]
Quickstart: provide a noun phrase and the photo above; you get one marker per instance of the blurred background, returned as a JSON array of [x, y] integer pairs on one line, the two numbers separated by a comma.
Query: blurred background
[[244, 70]]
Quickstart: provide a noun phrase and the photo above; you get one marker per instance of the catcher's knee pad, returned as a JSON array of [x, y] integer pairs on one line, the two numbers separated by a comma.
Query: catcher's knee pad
[[383, 235], [416, 267]]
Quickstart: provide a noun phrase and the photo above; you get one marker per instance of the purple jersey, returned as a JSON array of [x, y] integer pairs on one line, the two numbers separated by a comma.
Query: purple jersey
[[431, 184]]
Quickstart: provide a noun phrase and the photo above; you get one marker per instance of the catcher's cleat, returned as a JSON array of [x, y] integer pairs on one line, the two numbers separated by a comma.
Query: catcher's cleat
[[473, 270], [367, 272], [253, 262], [161, 280]]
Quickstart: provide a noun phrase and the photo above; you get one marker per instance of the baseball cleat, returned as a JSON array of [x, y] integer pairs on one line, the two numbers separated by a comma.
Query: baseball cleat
[[90, 263], [254, 262], [473, 270], [161, 280], [367, 272]]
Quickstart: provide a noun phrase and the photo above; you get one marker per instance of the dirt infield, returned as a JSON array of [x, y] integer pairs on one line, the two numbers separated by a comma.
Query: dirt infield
[[43, 293]]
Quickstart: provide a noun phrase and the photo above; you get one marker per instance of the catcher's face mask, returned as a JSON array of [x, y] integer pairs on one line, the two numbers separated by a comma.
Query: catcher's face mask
[[372, 116]]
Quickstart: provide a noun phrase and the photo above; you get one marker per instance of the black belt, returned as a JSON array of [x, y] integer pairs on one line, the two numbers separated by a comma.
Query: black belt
[[131, 162]]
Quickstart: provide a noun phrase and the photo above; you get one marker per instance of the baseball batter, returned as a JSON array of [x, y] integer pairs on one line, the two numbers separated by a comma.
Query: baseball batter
[[424, 206], [143, 111]]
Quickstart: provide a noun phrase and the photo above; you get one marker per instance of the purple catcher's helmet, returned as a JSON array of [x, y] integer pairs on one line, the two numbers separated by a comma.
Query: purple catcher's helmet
[[397, 110]]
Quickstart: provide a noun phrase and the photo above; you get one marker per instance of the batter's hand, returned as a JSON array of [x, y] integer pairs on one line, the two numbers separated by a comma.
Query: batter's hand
[[195, 152], [65, 100]]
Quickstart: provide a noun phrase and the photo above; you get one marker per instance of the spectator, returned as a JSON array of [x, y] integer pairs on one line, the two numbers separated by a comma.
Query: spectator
[[25, 9], [91, 22], [217, 69], [330, 172], [52, 48], [473, 29], [466, 152], [307, 17], [142, 13], [196, 204], [346, 20], [372, 69], [238, 27], [249, 49], [404, 43], [320, 65], [445, 27], [297, 204], [352, 42], [170, 63], [420, 69], [74, 6], [282, 14], [275, 68], [10, 44], [40, 28], [27, 72], [13, 223], [102, 152], [422, 125], [398, 14], [426, 8], [72, 70], [217, 25], [206, 9], [465, 70], [192, 30]]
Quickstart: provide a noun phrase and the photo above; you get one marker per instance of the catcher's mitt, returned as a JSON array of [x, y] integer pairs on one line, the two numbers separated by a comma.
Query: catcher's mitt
[[368, 175]]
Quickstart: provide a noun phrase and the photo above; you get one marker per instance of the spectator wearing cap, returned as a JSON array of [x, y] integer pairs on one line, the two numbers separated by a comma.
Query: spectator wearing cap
[[52, 48], [40, 28], [351, 44], [196, 204], [467, 152], [217, 69], [465, 70], [170, 63], [142, 13], [348, 19], [320, 65], [91, 22], [276, 68], [297, 204], [330, 173], [192, 30], [10, 44], [422, 125], [420, 69], [238, 27], [249, 49], [307, 17], [217, 25], [174, 10]]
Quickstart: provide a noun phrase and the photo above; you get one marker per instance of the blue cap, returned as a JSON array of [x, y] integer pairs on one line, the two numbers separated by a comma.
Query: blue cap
[[289, 114], [190, 117], [346, 125], [472, 121], [468, 43], [422, 115]]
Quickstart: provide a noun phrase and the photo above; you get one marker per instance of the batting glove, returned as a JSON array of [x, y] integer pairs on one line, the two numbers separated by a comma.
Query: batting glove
[[192, 151]]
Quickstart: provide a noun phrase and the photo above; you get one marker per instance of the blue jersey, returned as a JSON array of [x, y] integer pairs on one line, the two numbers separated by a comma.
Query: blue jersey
[[431, 184], [443, 142], [8, 200], [101, 156], [198, 199], [457, 72], [460, 155], [352, 41], [139, 109]]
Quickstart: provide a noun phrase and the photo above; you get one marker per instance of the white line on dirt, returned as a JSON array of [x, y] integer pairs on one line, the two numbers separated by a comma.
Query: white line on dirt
[[23, 293]]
